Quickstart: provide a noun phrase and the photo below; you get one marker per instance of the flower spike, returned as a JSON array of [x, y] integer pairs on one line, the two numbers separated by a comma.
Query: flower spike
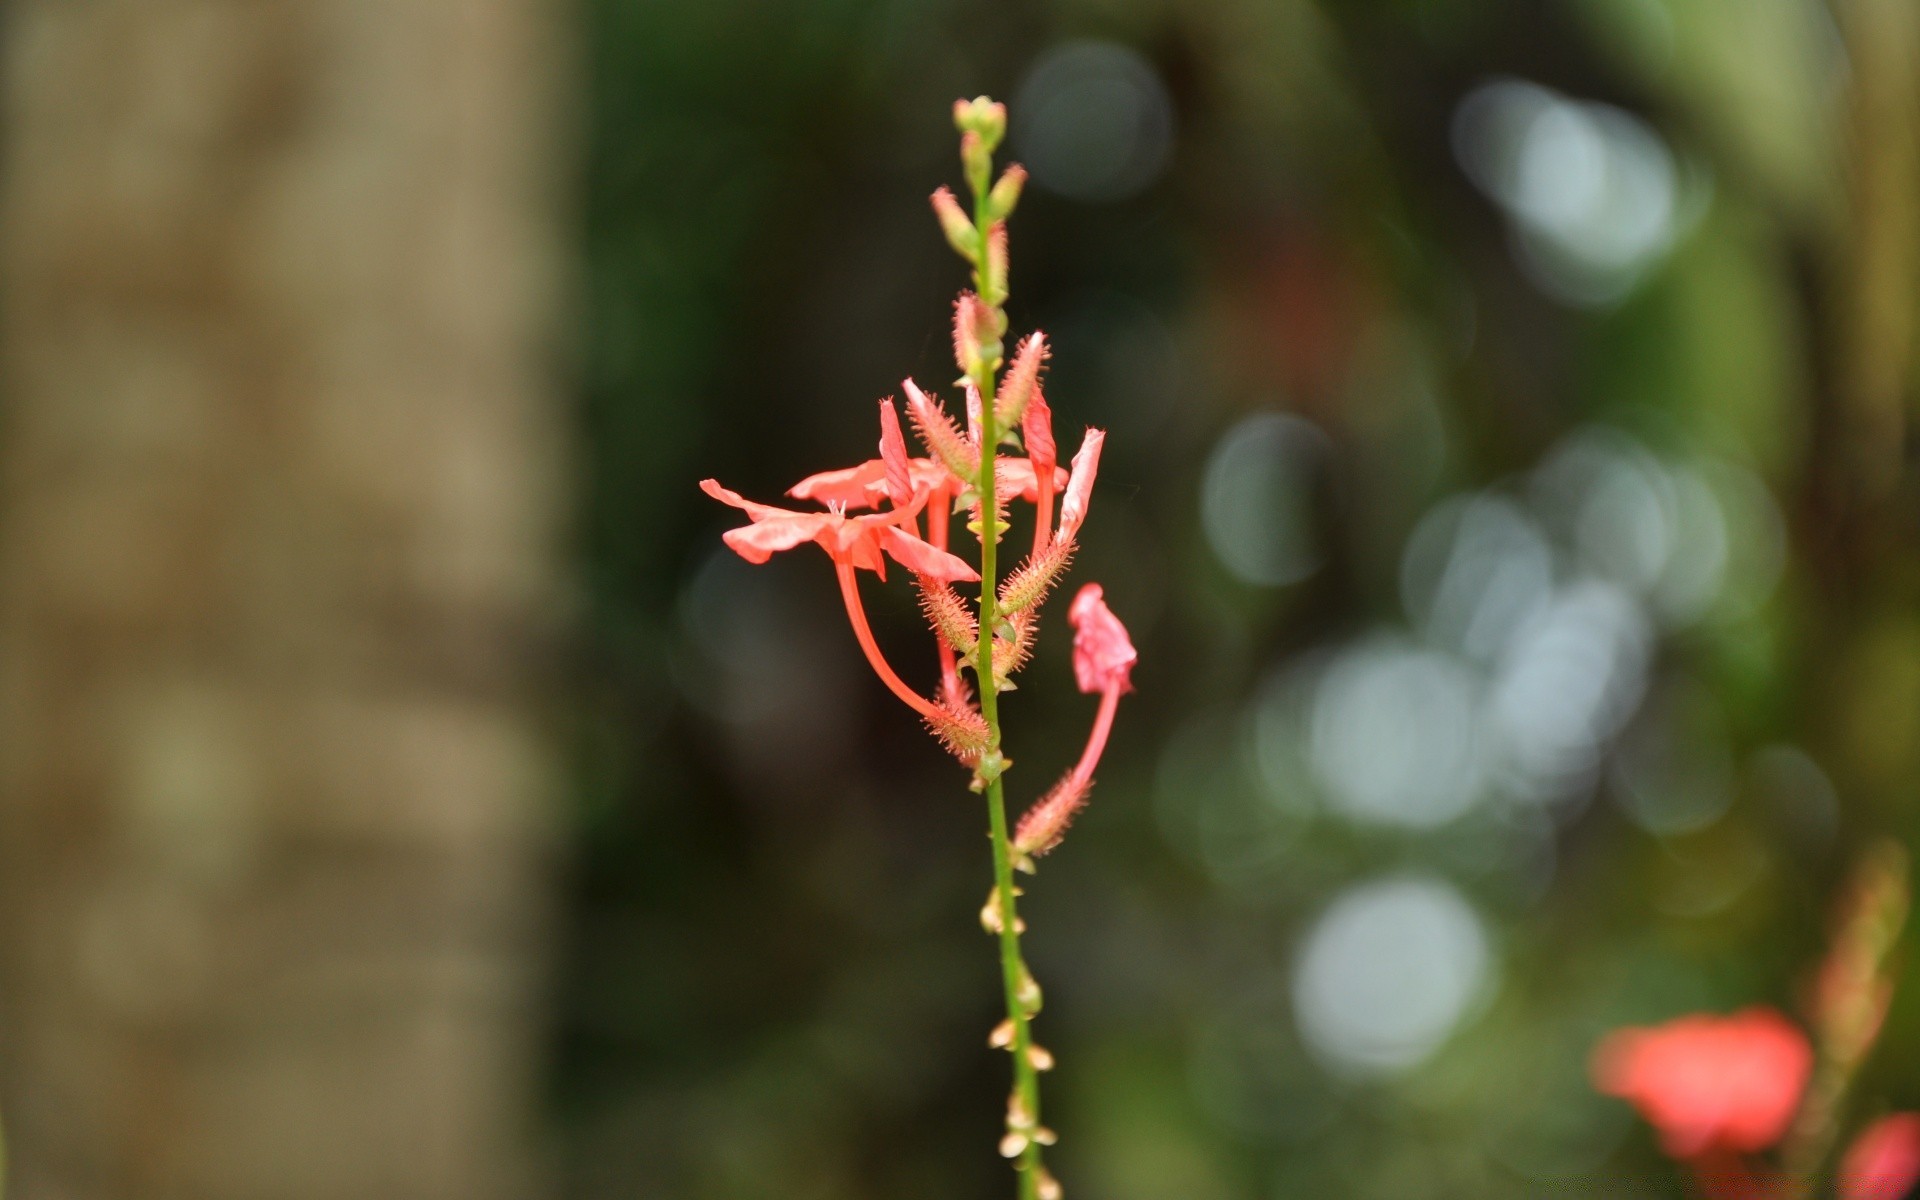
[[869, 513]]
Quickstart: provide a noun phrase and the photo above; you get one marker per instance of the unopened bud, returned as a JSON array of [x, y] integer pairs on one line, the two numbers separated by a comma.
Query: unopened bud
[[1040, 1058], [983, 116], [1019, 1116], [990, 919], [1012, 1145], [1002, 1035], [994, 270], [976, 338], [958, 227], [1046, 1187], [1023, 378], [1045, 1136], [1028, 992], [1006, 193]]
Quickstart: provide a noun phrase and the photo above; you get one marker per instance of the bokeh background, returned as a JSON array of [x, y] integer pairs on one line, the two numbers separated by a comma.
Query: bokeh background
[[1510, 486]]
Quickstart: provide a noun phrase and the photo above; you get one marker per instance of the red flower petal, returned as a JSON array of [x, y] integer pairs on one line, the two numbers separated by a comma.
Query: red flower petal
[[849, 487], [893, 455], [763, 539], [1086, 465], [1884, 1162], [924, 559], [1707, 1082], [1103, 654]]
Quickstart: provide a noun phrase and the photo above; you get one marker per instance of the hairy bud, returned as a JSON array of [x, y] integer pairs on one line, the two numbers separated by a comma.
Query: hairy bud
[[958, 227], [1023, 379], [1006, 193], [982, 116], [976, 335], [993, 270]]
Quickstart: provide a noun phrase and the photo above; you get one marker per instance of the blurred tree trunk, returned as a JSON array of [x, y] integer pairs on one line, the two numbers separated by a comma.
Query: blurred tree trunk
[[278, 481]]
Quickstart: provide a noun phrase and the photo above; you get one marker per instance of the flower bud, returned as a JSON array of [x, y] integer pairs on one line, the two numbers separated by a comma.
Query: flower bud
[[976, 335], [1027, 992], [1002, 1035], [958, 227], [982, 116], [1023, 378], [993, 272], [1006, 193]]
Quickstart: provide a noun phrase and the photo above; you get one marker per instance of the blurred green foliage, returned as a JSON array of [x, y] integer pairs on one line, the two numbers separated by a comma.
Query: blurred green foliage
[[775, 984]]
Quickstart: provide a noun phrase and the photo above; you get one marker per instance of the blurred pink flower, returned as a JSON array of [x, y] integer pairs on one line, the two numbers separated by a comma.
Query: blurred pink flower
[[1103, 654], [853, 541], [1710, 1083], [1884, 1162]]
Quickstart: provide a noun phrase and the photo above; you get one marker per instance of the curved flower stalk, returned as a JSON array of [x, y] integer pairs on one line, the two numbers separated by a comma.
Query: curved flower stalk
[[1721, 1092], [998, 451]]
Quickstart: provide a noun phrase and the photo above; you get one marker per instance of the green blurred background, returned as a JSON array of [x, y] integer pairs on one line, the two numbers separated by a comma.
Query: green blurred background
[[1509, 488]]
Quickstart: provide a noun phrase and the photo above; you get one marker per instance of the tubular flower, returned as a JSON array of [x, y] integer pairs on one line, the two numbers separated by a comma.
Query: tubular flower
[[1884, 1162], [1086, 464], [1103, 658], [1710, 1084], [854, 542]]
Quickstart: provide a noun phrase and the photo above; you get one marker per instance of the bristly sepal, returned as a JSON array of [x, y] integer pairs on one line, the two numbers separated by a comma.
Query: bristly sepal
[[1043, 825], [1029, 584], [963, 732], [1022, 379], [942, 437], [1012, 647], [950, 617]]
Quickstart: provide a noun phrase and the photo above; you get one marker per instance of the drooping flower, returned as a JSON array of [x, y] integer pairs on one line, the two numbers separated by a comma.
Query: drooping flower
[[1103, 654], [1103, 658], [1708, 1083], [1884, 1161]]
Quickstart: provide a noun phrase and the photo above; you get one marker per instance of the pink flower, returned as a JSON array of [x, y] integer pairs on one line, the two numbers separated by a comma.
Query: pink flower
[[1103, 654], [1103, 658], [857, 542], [1884, 1162], [1086, 464], [1709, 1084]]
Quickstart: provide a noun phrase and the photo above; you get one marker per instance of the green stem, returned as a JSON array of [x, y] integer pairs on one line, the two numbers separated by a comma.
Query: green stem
[[1013, 969]]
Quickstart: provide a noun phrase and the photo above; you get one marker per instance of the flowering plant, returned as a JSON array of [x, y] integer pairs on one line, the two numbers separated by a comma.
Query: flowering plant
[[966, 470], [1720, 1091]]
